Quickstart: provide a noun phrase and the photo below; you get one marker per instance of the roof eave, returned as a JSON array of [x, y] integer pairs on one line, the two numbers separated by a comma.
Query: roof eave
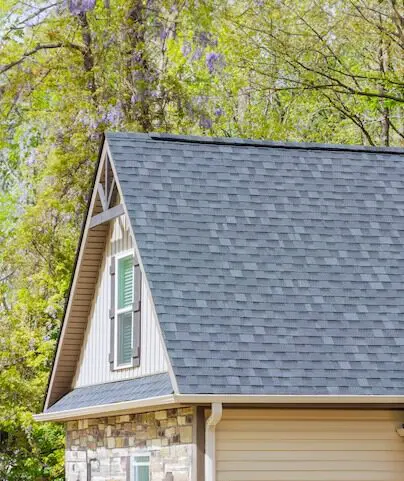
[[158, 402], [303, 399], [173, 400]]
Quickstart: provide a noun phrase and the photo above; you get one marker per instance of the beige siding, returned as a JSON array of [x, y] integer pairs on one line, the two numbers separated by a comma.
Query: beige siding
[[309, 445], [93, 366]]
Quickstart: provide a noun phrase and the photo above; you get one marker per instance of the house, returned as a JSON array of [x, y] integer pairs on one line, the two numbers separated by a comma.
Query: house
[[236, 313]]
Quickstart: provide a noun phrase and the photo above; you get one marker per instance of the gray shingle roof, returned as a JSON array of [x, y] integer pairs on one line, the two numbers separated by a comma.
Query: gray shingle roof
[[274, 268], [113, 392]]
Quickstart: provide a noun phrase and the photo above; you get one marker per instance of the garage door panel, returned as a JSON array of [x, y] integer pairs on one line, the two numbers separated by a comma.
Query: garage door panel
[[308, 435], [307, 465], [310, 455], [302, 445], [338, 445], [296, 425], [310, 476], [312, 415]]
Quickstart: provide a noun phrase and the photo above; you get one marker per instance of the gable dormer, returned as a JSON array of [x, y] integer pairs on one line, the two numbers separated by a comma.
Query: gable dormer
[[110, 330], [122, 338]]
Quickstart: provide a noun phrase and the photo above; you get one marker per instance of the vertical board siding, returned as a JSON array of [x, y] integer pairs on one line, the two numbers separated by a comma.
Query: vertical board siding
[[93, 366], [309, 445]]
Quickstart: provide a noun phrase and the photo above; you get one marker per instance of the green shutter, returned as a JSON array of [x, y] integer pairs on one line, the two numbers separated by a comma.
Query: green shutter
[[112, 314], [125, 282], [136, 315], [125, 338]]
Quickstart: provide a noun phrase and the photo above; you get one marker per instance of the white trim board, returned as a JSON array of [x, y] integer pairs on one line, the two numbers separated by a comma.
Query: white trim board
[[198, 399]]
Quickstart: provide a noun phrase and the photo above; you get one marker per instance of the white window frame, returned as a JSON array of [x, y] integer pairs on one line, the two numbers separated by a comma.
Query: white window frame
[[133, 464], [121, 255]]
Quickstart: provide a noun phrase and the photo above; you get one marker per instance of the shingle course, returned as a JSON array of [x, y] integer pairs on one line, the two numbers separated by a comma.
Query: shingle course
[[274, 268], [114, 392]]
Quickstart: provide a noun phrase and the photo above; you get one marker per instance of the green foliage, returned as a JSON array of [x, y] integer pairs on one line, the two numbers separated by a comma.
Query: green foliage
[[311, 70]]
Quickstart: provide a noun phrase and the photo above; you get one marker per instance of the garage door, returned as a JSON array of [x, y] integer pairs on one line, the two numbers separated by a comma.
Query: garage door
[[309, 445]]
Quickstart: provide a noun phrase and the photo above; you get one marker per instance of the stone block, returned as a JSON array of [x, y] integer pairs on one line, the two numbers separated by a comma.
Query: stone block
[[174, 440], [182, 420], [170, 432], [72, 425], [159, 415], [171, 422], [83, 423], [110, 443], [187, 410], [72, 456], [155, 442], [119, 442], [123, 419], [186, 434]]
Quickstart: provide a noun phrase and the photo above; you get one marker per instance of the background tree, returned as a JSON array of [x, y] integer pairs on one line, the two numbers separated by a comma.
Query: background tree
[[313, 70]]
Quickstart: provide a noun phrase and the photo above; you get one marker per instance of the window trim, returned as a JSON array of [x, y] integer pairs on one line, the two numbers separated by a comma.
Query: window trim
[[118, 257], [133, 463]]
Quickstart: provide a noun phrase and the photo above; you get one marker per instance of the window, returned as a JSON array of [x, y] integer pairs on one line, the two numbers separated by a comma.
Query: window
[[124, 311], [141, 468]]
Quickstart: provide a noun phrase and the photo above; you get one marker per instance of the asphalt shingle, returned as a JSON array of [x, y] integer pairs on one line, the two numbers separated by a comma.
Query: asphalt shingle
[[274, 268], [114, 392]]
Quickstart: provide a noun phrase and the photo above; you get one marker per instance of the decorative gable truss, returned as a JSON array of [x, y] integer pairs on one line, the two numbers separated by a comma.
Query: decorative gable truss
[[107, 192], [85, 314]]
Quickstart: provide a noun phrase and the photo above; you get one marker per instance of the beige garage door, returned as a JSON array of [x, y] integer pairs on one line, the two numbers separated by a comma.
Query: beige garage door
[[309, 445]]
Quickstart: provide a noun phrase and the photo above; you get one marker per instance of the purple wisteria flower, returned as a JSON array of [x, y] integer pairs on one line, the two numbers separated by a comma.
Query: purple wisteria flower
[[204, 39], [205, 122], [197, 54], [114, 116], [186, 49], [80, 6], [214, 61], [137, 56], [200, 100], [219, 112], [164, 33], [31, 159]]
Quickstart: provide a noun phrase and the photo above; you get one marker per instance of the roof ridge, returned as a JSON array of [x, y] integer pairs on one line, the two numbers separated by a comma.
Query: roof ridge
[[168, 137]]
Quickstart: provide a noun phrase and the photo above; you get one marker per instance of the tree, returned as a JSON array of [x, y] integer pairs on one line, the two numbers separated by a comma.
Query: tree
[[342, 60]]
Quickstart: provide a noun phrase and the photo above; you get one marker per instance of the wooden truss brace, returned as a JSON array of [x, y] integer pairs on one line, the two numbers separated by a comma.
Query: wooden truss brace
[[106, 194]]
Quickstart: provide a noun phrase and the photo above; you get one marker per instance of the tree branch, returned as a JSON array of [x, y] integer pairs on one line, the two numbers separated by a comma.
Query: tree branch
[[10, 65], [38, 48]]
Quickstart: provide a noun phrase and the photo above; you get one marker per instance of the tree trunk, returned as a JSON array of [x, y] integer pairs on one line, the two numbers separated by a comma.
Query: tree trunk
[[383, 67]]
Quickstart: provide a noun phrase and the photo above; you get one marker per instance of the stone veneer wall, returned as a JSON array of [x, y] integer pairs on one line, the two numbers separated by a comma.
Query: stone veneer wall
[[100, 449]]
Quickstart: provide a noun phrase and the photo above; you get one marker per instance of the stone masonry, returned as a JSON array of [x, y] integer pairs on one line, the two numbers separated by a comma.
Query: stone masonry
[[101, 449]]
